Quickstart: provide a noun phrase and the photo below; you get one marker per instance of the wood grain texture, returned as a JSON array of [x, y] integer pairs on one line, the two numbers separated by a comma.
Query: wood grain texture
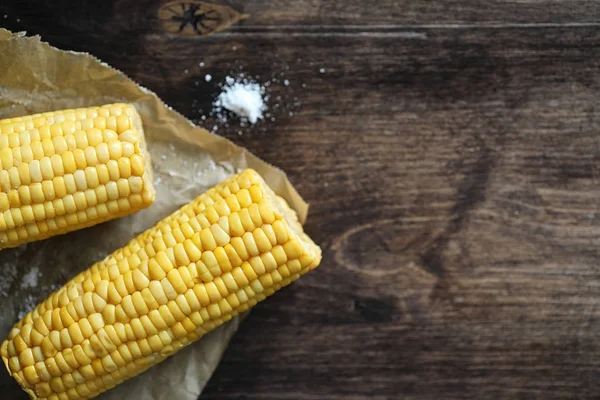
[[449, 151]]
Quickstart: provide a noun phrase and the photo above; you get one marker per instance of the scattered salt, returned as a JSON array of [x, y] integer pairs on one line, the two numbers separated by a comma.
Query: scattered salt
[[186, 71], [201, 64], [208, 78], [234, 48], [322, 70], [7, 277], [26, 305], [286, 82], [30, 279], [245, 99]]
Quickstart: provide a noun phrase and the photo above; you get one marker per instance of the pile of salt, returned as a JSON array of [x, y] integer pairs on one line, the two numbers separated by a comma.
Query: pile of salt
[[243, 98]]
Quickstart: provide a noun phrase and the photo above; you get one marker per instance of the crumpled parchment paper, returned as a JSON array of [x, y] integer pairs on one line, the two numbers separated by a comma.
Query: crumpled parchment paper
[[187, 160]]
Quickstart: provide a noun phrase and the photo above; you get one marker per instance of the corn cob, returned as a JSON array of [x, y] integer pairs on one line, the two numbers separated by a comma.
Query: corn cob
[[210, 260], [65, 170]]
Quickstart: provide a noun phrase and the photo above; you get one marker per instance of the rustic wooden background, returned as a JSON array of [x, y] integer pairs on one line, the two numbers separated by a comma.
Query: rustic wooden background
[[450, 151]]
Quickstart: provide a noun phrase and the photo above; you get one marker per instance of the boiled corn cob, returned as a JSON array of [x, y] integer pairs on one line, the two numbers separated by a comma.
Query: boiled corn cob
[[210, 260], [65, 170]]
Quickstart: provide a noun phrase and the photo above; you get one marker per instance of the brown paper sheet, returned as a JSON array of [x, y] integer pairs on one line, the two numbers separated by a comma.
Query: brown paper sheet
[[187, 160]]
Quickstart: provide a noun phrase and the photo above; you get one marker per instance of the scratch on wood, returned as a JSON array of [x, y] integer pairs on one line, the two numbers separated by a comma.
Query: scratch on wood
[[381, 35]]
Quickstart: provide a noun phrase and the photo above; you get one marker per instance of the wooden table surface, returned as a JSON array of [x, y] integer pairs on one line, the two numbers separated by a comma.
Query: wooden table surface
[[450, 152]]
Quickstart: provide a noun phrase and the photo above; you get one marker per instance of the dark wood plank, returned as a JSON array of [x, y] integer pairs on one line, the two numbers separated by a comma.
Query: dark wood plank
[[101, 21], [406, 12], [453, 177]]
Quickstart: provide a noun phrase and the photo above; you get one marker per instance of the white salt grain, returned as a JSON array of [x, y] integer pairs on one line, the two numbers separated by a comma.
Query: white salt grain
[[208, 78], [245, 99], [30, 279], [286, 82], [322, 70]]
